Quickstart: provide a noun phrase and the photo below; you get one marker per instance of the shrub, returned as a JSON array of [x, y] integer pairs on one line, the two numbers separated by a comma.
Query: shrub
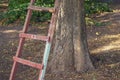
[[18, 8], [94, 6]]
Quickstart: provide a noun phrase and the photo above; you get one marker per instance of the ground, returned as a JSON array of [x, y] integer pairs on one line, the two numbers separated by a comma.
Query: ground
[[103, 41]]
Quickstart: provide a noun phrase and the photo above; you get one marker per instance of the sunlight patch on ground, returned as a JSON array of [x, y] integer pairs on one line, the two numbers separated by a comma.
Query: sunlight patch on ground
[[112, 36], [114, 65], [114, 45], [102, 14], [5, 5], [9, 31], [116, 10]]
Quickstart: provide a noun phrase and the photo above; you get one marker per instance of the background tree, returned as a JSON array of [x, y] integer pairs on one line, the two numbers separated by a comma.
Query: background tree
[[71, 50]]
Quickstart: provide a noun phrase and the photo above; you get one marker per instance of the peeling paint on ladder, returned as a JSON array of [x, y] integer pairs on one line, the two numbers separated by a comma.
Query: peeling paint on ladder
[[45, 60]]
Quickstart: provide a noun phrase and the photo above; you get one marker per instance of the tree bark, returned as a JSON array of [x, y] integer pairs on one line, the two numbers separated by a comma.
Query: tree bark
[[71, 50]]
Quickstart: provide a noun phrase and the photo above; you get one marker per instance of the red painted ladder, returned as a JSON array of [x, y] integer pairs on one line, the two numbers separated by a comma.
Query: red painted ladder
[[24, 35]]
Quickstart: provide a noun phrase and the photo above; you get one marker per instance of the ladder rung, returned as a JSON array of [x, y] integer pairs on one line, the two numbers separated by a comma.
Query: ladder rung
[[32, 36], [29, 63], [41, 8]]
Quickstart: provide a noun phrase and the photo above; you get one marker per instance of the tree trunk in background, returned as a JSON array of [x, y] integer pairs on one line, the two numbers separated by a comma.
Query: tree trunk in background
[[71, 50]]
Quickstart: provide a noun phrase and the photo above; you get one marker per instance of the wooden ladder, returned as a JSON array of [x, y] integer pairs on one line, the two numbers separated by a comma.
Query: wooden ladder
[[24, 35]]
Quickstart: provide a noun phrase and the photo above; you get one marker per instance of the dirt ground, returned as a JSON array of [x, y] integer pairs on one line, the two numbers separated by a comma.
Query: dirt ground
[[103, 41]]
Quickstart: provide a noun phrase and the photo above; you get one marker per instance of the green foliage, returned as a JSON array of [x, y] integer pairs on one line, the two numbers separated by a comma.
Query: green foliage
[[94, 6], [18, 9]]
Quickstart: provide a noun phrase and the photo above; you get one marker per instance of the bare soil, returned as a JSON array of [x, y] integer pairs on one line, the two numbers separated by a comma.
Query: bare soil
[[103, 41]]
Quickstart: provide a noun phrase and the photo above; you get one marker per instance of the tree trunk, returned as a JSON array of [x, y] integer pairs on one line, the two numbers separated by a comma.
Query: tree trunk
[[71, 50]]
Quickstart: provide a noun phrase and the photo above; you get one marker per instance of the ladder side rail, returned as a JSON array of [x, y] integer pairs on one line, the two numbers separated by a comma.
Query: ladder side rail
[[45, 60], [48, 44], [29, 13], [21, 42], [26, 24], [53, 21]]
